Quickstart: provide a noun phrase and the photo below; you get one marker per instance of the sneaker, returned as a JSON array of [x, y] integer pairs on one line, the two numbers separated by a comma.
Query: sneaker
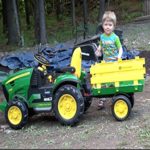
[[100, 105]]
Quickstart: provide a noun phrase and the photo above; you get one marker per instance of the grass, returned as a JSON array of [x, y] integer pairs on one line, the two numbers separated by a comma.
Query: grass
[[58, 31], [145, 133], [122, 145], [144, 136], [67, 145]]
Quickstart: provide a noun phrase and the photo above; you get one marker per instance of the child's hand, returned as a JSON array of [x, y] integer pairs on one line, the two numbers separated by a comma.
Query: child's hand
[[98, 53]]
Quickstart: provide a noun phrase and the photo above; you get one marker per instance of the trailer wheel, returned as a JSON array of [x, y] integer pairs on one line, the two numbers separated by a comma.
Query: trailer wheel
[[121, 107], [132, 100], [68, 105], [16, 114]]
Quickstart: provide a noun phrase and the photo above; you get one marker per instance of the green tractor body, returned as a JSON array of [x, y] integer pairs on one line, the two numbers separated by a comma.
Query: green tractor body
[[34, 90]]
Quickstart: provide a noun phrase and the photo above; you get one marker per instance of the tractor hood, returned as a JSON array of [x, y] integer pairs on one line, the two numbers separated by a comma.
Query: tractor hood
[[17, 75]]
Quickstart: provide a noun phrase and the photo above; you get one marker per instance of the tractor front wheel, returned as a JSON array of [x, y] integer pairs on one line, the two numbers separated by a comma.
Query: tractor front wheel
[[68, 105], [16, 114], [121, 107]]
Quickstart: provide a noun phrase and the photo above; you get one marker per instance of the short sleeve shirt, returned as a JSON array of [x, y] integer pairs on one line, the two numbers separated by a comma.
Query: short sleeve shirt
[[110, 46]]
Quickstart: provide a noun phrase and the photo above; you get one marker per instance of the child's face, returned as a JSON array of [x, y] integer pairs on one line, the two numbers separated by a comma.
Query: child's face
[[108, 27]]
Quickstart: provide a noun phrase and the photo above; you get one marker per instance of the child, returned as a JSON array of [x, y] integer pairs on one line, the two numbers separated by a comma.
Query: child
[[110, 47]]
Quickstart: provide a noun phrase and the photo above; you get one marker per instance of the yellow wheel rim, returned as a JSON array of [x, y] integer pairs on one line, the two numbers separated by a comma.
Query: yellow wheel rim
[[14, 115], [121, 109], [67, 106]]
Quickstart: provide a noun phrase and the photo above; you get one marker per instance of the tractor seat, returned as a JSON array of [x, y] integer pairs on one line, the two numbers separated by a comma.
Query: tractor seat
[[76, 61]]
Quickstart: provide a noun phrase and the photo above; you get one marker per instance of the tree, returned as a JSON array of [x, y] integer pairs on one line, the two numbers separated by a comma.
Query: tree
[[146, 7], [14, 35], [4, 15], [101, 9], [59, 9], [73, 13], [85, 17], [40, 26], [26, 2]]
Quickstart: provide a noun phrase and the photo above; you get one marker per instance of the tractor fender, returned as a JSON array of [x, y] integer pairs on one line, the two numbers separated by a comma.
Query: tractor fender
[[125, 94], [63, 80], [71, 82]]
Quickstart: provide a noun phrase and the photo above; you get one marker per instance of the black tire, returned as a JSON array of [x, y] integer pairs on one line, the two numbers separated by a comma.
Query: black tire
[[73, 101], [87, 103], [31, 112], [131, 97], [22, 111], [124, 110]]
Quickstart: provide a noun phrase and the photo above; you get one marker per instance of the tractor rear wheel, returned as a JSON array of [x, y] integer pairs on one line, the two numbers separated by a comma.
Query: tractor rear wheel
[[16, 114], [68, 105], [87, 103], [121, 107]]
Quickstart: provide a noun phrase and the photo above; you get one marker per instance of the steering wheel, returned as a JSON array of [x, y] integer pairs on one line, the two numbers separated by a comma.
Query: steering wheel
[[42, 60]]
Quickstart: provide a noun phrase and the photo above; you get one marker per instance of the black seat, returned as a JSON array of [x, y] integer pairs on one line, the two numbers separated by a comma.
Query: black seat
[[88, 51], [63, 70]]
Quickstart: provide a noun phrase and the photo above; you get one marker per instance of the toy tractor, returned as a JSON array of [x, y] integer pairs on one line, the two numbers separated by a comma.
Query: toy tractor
[[37, 90], [68, 92]]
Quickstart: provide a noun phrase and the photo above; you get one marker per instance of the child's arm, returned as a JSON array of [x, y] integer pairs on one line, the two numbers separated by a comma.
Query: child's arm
[[98, 52], [119, 46], [120, 52]]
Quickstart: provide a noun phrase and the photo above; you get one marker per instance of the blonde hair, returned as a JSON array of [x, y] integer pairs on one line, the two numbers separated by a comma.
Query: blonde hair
[[110, 16]]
